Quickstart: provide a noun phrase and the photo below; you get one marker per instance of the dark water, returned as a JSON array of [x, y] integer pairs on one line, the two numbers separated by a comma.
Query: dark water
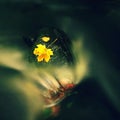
[[97, 96]]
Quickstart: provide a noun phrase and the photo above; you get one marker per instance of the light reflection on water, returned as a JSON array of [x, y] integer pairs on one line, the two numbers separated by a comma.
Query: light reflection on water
[[40, 87]]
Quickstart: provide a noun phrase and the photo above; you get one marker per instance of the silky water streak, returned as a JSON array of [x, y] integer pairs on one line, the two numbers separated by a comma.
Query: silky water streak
[[41, 87]]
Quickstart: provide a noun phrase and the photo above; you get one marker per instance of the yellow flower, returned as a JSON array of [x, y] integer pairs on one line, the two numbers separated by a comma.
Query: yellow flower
[[42, 53], [45, 39]]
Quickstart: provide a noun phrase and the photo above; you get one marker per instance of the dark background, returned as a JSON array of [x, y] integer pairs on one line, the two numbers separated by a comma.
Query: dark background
[[97, 97]]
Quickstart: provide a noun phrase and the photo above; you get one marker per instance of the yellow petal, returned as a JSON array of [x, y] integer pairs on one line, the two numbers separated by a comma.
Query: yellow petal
[[45, 39], [40, 46], [35, 52], [42, 53], [39, 58], [50, 52], [47, 58]]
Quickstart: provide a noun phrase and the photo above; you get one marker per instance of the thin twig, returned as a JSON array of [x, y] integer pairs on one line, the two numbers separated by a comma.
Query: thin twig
[[52, 42]]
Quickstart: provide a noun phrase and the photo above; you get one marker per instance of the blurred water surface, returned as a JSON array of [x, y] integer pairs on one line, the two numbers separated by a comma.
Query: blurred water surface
[[93, 28]]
